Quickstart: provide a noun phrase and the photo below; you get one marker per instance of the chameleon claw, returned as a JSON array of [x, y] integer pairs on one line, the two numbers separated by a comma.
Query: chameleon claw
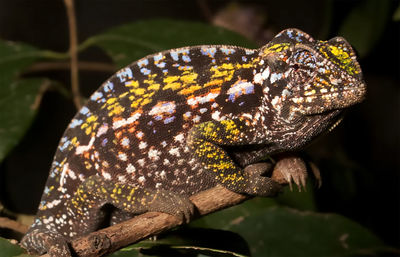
[[290, 170], [316, 173]]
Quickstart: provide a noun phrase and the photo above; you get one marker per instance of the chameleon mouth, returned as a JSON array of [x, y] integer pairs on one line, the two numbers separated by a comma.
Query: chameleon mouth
[[320, 103]]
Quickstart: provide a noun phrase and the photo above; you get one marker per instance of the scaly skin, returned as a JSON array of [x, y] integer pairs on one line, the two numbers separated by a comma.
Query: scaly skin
[[183, 120]]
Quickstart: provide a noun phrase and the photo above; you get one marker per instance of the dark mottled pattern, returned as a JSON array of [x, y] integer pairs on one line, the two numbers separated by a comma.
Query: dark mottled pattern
[[180, 121]]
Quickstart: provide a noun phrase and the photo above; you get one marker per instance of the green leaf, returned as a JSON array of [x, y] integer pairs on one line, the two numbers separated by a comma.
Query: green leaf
[[364, 26], [16, 96], [16, 111], [131, 42], [396, 15], [189, 242], [8, 249], [280, 231], [301, 200]]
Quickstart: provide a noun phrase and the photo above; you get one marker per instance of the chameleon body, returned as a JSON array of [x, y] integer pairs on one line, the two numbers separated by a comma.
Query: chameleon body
[[184, 120]]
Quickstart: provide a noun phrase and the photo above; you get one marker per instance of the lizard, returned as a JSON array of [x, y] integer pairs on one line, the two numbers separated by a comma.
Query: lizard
[[181, 121]]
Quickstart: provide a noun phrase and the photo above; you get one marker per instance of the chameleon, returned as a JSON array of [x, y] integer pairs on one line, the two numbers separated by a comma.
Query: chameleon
[[181, 121]]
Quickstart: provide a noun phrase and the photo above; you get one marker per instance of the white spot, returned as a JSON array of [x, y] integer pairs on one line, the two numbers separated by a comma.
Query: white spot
[[175, 151], [123, 122], [215, 115], [106, 175], [196, 118], [163, 174], [122, 178], [102, 130], [125, 141], [81, 177], [141, 179], [258, 78], [241, 88], [166, 162], [275, 77], [247, 115], [164, 144], [179, 138], [142, 145], [265, 74], [154, 154], [168, 107], [275, 100], [72, 174], [141, 162], [64, 172], [51, 205], [335, 82], [158, 185], [83, 148], [203, 110], [130, 168], [286, 92], [193, 101], [122, 157]]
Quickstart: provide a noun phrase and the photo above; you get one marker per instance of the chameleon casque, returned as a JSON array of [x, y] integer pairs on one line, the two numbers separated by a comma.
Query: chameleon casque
[[184, 120]]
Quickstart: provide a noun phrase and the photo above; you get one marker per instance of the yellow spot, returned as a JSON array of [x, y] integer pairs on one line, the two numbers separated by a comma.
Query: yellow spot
[[340, 54], [153, 86], [132, 83], [174, 86], [91, 119], [214, 82], [138, 91], [189, 90], [189, 78], [111, 100], [123, 95], [276, 48]]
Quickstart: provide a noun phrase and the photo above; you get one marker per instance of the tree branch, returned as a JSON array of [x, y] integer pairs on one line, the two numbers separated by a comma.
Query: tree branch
[[13, 225], [112, 238], [82, 65], [140, 227], [73, 50]]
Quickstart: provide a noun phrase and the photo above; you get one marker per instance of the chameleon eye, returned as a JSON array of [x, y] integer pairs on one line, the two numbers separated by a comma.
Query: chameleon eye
[[302, 64], [295, 67], [304, 58]]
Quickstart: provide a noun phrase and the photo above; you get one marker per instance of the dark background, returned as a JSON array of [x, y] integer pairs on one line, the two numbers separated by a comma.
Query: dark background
[[359, 160]]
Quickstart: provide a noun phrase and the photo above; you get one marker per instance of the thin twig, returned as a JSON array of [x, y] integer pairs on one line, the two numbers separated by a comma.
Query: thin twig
[[38, 99], [73, 49], [82, 65], [13, 225]]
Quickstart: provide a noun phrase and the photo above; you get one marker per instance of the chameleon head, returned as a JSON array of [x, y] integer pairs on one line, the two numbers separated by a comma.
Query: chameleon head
[[307, 77]]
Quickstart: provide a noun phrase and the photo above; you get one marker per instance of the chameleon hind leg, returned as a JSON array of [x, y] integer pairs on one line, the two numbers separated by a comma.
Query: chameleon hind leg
[[136, 200], [84, 212], [206, 141]]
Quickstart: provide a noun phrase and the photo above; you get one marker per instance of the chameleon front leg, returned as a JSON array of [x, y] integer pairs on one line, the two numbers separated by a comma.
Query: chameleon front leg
[[206, 140]]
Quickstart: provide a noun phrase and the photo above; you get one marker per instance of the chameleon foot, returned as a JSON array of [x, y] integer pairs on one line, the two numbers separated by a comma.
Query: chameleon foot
[[291, 169], [38, 242], [172, 203]]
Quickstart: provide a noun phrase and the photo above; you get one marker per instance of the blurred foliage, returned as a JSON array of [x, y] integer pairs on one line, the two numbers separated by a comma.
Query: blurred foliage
[[16, 95], [136, 40], [363, 31]]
